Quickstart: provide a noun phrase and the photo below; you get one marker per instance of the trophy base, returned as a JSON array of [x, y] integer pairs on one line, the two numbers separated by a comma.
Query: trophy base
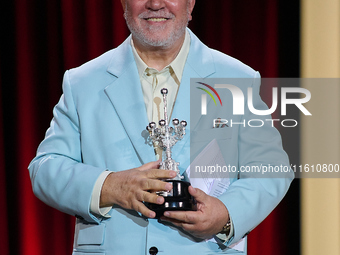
[[178, 199]]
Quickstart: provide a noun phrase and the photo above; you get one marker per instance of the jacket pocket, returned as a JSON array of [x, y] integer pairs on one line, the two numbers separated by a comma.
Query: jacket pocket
[[87, 253], [90, 234], [89, 239]]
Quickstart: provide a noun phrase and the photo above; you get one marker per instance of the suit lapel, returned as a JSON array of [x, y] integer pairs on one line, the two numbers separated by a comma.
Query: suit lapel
[[126, 96], [199, 65]]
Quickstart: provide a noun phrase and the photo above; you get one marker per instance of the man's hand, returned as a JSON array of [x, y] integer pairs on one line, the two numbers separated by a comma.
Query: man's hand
[[208, 220], [130, 188]]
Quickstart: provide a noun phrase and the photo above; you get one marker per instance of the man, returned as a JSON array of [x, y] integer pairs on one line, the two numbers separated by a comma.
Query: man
[[95, 164]]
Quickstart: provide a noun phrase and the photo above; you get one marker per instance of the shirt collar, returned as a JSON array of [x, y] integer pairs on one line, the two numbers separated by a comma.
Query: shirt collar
[[177, 64]]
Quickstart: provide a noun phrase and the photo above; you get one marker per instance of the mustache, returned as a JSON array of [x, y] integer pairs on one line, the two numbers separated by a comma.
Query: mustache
[[156, 14]]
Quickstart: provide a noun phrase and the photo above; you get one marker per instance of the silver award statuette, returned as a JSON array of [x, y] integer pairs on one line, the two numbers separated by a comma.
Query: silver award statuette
[[165, 137]]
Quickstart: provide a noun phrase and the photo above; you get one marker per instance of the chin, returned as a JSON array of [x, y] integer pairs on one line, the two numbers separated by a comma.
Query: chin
[[169, 39]]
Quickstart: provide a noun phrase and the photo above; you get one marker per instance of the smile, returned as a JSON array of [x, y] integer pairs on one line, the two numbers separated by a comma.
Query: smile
[[156, 19]]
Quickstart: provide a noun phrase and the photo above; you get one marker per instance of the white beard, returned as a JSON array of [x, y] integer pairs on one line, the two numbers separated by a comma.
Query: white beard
[[141, 34]]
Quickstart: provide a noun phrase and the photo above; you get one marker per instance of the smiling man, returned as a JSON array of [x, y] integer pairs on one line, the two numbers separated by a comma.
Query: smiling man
[[94, 162], [158, 23]]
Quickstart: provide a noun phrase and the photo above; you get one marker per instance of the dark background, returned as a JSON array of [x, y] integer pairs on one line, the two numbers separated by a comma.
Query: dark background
[[41, 39]]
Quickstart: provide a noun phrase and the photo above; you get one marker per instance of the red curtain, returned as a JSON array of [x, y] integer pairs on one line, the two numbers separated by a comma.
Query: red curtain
[[4, 245], [44, 38]]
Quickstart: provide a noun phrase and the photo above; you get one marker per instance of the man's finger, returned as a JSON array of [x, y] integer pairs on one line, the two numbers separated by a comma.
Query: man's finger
[[156, 185], [198, 194], [140, 207], [151, 198], [175, 222], [150, 165], [189, 227], [181, 216], [160, 174]]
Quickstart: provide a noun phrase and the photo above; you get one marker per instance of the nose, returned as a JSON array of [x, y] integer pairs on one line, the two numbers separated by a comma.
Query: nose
[[155, 5]]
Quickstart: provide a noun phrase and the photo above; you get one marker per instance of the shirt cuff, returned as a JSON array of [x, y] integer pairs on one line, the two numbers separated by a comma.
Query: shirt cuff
[[95, 199], [225, 238]]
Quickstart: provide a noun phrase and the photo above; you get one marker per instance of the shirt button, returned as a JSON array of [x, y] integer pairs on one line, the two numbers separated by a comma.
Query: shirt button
[[153, 250]]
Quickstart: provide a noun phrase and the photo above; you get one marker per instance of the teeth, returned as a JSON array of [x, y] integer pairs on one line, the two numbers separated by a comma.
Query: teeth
[[157, 19]]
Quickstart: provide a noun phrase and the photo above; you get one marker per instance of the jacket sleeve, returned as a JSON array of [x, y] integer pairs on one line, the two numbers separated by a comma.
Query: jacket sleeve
[[254, 195], [58, 176]]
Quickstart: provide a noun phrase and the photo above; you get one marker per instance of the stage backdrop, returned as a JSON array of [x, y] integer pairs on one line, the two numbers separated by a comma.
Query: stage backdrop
[[41, 39]]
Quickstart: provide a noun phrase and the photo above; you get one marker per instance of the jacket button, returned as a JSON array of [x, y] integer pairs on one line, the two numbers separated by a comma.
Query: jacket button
[[153, 250]]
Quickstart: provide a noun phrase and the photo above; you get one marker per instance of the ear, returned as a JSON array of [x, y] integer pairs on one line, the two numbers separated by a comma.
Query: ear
[[123, 2], [191, 5]]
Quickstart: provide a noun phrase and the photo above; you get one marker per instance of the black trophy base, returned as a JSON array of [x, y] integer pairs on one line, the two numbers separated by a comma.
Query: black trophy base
[[179, 199]]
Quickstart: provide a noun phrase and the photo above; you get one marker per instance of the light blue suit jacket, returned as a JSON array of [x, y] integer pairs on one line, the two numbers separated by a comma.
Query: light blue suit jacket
[[98, 125]]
